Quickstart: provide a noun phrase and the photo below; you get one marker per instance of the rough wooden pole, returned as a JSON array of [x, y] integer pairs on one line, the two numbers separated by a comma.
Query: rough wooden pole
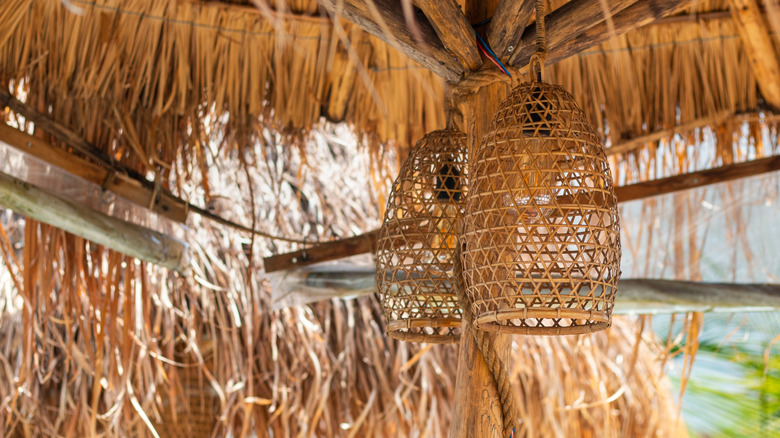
[[131, 239], [477, 411]]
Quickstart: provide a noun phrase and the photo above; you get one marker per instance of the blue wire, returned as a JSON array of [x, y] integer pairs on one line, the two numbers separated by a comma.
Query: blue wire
[[482, 23], [484, 44]]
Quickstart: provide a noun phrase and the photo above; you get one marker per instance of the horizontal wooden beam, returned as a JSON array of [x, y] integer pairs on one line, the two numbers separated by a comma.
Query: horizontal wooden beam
[[454, 30], [367, 242], [162, 203], [508, 24], [636, 15], [637, 142], [635, 296], [565, 23], [131, 239], [337, 249], [53, 128], [697, 179], [385, 20]]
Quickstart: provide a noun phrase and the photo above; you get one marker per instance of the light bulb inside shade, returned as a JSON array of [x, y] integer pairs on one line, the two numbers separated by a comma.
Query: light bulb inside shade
[[532, 189]]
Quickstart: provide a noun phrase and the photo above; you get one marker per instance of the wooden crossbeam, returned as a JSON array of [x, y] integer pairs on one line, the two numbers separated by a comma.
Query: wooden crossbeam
[[637, 142], [635, 296], [161, 202], [454, 30], [566, 22], [638, 14], [385, 20], [127, 238], [367, 242], [760, 49], [508, 24]]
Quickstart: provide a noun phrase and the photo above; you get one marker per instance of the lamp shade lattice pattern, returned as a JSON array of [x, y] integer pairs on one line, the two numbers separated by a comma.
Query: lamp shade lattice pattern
[[541, 238], [417, 241]]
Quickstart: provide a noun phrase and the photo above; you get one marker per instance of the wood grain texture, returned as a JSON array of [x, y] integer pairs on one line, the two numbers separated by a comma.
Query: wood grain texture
[[162, 203], [697, 179], [638, 14], [507, 26], [133, 240], [332, 250], [759, 48], [337, 249], [380, 17], [454, 30], [636, 296], [477, 411], [638, 142], [568, 21]]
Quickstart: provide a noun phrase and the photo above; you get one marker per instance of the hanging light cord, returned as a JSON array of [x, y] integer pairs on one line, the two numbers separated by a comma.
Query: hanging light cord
[[482, 44], [488, 350], [540, 56]]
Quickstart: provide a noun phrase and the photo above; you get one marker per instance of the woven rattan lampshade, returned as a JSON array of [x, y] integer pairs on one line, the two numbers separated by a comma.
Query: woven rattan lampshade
[[417, 241], [541, 241]]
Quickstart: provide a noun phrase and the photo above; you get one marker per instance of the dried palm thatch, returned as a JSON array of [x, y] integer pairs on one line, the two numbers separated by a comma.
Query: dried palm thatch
[[148, 81], [100, 344]]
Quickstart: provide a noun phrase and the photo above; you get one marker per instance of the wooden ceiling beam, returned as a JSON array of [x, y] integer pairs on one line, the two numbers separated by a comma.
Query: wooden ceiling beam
[[367, 242], [385, 20], [454, 30], [160, 201], [508, 24], [638, 14], [760, 49], [567, 22]]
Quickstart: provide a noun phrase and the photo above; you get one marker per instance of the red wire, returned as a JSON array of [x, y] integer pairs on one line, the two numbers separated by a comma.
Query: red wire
[[488, 55]]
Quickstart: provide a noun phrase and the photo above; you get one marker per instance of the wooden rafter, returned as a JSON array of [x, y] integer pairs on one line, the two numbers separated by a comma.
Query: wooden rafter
[[162, 202], [759, 48], [637, 296], [636, 15], [566, 23], [508, 24], [367, 242], [127, 238], [385, 20], [454, 30]]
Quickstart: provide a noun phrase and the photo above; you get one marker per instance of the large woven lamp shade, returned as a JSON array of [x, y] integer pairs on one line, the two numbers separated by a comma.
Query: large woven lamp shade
[[417, 241], [541, 239]]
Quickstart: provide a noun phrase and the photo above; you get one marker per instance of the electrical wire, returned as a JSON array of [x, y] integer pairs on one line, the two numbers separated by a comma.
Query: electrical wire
[[494, 57], [487, 55]]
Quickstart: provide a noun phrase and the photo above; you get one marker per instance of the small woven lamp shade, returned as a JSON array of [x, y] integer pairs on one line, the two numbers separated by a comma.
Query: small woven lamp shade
[[541, 235], [417, 241]]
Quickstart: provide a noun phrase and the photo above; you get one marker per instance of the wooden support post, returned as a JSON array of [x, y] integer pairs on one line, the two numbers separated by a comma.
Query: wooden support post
[[508, 24], [760, 49], [131, 239], [162, 203], [384, 20], [454, 30], [477, 411]]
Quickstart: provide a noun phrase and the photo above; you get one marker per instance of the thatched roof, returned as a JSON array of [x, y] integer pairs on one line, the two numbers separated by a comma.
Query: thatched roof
[[130, 76], [232, 106]]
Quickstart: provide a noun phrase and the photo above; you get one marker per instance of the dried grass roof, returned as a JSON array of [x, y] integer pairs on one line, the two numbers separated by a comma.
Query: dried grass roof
[[134, 76], [101, 345]]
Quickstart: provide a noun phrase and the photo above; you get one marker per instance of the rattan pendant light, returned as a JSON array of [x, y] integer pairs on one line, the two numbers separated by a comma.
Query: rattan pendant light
[[541, 235], [417, 240]]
